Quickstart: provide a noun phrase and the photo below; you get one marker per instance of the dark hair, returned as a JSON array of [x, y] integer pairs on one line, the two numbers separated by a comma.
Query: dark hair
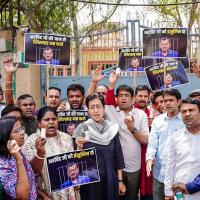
[[164, 38], [191, 101], [72, 164], [1, 91], [10, 108], [75, 87], [24, 96], [155, 95], [43, 111], [54, 88], [172, 92], [125, 88], [6, 126], [94, 96], [142, 88], [48, 48], [194, 93], [103, 86]]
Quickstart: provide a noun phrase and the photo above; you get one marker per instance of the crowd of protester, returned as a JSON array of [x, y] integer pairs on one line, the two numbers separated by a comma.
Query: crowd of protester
[[147, 143]]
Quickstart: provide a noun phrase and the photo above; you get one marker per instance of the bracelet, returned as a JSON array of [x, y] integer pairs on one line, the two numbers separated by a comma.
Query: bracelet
[[9, 81], [40, 158], [120, 181], [7, 89]]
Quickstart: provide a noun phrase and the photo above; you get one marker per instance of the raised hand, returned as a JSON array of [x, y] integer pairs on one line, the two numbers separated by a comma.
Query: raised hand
[[113, 79], [196, 68], [8, 65], [14, 149], [40, 146], [97, 74]]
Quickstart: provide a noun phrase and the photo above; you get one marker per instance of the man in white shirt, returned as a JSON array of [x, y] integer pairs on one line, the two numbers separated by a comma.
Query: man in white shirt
[[157, 150], [133, 132], [183, 161]]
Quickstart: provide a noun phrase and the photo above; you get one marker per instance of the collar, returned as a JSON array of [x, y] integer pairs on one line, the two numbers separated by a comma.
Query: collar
[[177, 116], [147, 111], [131, 111]]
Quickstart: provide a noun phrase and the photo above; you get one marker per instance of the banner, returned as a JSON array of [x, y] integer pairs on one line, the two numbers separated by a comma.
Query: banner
[[72, 169], [166, 75], [165, 42], [130, 59], [69, 120], [46, 49]]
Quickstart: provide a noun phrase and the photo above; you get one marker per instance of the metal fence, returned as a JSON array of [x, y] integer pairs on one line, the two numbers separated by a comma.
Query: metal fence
[[101, 48]]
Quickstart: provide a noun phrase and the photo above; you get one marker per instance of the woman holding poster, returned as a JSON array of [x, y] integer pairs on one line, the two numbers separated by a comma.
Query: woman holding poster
[[103, 135], [54, 142]]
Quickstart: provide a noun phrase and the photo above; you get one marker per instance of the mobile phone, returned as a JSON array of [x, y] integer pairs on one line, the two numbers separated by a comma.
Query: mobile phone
[[118, 71], [43, 133]]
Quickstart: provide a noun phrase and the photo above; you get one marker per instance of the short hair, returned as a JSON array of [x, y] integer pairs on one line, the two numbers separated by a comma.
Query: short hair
[[24, 96], [172, 92], [191, 101], [6, 126], [164, 38], [43, 111], [54, 88], [194, 93], [155, 95], [75, 87], [10, 108], [142, 88], [48, 48], [94, 96], [125, 88], [72, 164]]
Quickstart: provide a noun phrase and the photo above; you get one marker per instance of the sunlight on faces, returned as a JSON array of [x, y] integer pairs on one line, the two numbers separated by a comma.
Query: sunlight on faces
[[27, 106], [142, 98], [50, 122], [53, 98], [96, 110], [124, 100], [75, 99], [171, 103], [17, 133], [190, 114]]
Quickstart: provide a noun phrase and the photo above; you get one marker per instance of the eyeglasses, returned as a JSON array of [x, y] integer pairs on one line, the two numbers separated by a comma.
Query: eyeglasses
[[19, 130], [96, 107]]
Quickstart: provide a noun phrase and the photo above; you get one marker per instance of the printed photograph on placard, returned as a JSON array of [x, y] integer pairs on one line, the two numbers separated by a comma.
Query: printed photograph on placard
[[165, 42], [46, 49], [69, 120], [166, 75], [130, 59], [72, 169]]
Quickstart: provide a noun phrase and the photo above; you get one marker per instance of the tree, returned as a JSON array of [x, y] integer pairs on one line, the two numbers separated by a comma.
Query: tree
[[178, 15], [61, 16]]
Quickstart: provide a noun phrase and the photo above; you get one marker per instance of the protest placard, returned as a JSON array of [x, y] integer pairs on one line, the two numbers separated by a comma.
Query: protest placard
[[166, 75], [130, 59], [69, 120], [165, 42], [72, 169], [46, 49]]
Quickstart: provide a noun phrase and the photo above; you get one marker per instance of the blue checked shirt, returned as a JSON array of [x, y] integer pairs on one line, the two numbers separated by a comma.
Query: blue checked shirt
[[157, 148]]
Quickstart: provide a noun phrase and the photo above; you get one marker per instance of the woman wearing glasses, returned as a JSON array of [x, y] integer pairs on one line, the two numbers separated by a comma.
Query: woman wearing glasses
[[16, 174], [56, 142], [103, 135]]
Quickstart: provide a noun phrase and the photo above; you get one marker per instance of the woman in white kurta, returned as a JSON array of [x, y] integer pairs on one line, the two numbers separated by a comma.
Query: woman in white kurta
[[56, 142]]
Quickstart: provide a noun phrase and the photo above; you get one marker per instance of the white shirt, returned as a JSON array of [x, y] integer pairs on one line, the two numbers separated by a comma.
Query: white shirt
[[130, 146], [183, 162]]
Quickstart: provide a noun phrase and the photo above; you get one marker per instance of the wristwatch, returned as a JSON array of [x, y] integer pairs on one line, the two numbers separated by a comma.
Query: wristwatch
[[133, 130]]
